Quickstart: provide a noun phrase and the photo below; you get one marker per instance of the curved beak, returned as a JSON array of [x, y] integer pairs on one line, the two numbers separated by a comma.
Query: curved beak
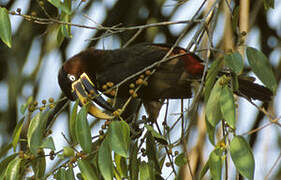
[[83, 89]]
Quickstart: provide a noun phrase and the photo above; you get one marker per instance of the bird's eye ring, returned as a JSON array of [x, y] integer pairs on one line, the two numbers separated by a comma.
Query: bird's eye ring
[[71, 77]]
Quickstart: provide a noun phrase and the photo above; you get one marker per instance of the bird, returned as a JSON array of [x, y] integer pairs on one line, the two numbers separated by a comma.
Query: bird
[[94, 71]]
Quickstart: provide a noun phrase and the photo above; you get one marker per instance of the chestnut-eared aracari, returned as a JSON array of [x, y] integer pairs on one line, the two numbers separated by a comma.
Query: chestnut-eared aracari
[[92, 71]]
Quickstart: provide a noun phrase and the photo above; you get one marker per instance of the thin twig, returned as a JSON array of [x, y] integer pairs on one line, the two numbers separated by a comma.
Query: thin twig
[[121, 29], [274, 165]]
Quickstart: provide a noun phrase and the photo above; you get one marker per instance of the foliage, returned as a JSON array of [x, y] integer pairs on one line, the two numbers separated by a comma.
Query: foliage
[[131, 149]]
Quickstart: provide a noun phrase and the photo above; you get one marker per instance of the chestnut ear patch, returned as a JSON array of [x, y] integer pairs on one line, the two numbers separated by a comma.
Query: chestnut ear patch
[[192, 64]]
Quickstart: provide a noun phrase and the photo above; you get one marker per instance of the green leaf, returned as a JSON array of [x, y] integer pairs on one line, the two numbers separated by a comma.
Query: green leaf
[[70, 174], [86, 170], [145, 171], [211, 77], [23, 107], [162, 161], [64, 30], [242, 157], [35, 133], [39, 166], [234, 61], [48, 143], [67, 4], [211, 131], [204, 170], [36, 130], [156, 135], [268, 4], [261, 67], [60, 174], [121, 165], [235, 18], [83, 130], [13, 169], [227, 105], [72, 121], [119, 141], [181, 160], [16, 133], [133, 161], [105, 160], [152, 152], [65, 7], [213, 110], [215, 164], [60, 35], [4, 163], [5, 27], [235, 83]]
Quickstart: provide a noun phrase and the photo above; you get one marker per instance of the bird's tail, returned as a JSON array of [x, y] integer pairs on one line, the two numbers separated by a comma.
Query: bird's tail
[[253, 91]]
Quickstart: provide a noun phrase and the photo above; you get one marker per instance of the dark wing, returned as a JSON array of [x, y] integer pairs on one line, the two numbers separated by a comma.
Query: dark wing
[[169, 81]]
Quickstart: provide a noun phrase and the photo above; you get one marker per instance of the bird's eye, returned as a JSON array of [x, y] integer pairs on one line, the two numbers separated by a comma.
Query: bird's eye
[[71, 77]]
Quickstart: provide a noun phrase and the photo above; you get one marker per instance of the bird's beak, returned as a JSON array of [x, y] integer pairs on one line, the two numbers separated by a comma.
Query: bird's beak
[[83, 89]]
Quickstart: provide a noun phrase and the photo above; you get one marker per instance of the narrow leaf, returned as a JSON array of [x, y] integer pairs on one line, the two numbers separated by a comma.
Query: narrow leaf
[[66, 29], [39, 167], [16, 133], [70, 174], [34, 133], [119, 141], [133, 161], [60, 35], [145, 171], [105, 160], [234, 61], [86, 170], [213, 110], [227, 105], [121, 165], [48, 143], [211, 78], [83, 131], [5, 27], [261, 67], [162, 161], [4, 163], [65, 7], [73, 121], [60, 174], [242, 157], [204, 170], [215, 164], [13, 169], [211, 131], [235, 18]]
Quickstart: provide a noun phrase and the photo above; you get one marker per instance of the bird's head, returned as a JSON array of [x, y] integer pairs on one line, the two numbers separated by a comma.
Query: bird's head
[[75, 82], [68, 74]]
